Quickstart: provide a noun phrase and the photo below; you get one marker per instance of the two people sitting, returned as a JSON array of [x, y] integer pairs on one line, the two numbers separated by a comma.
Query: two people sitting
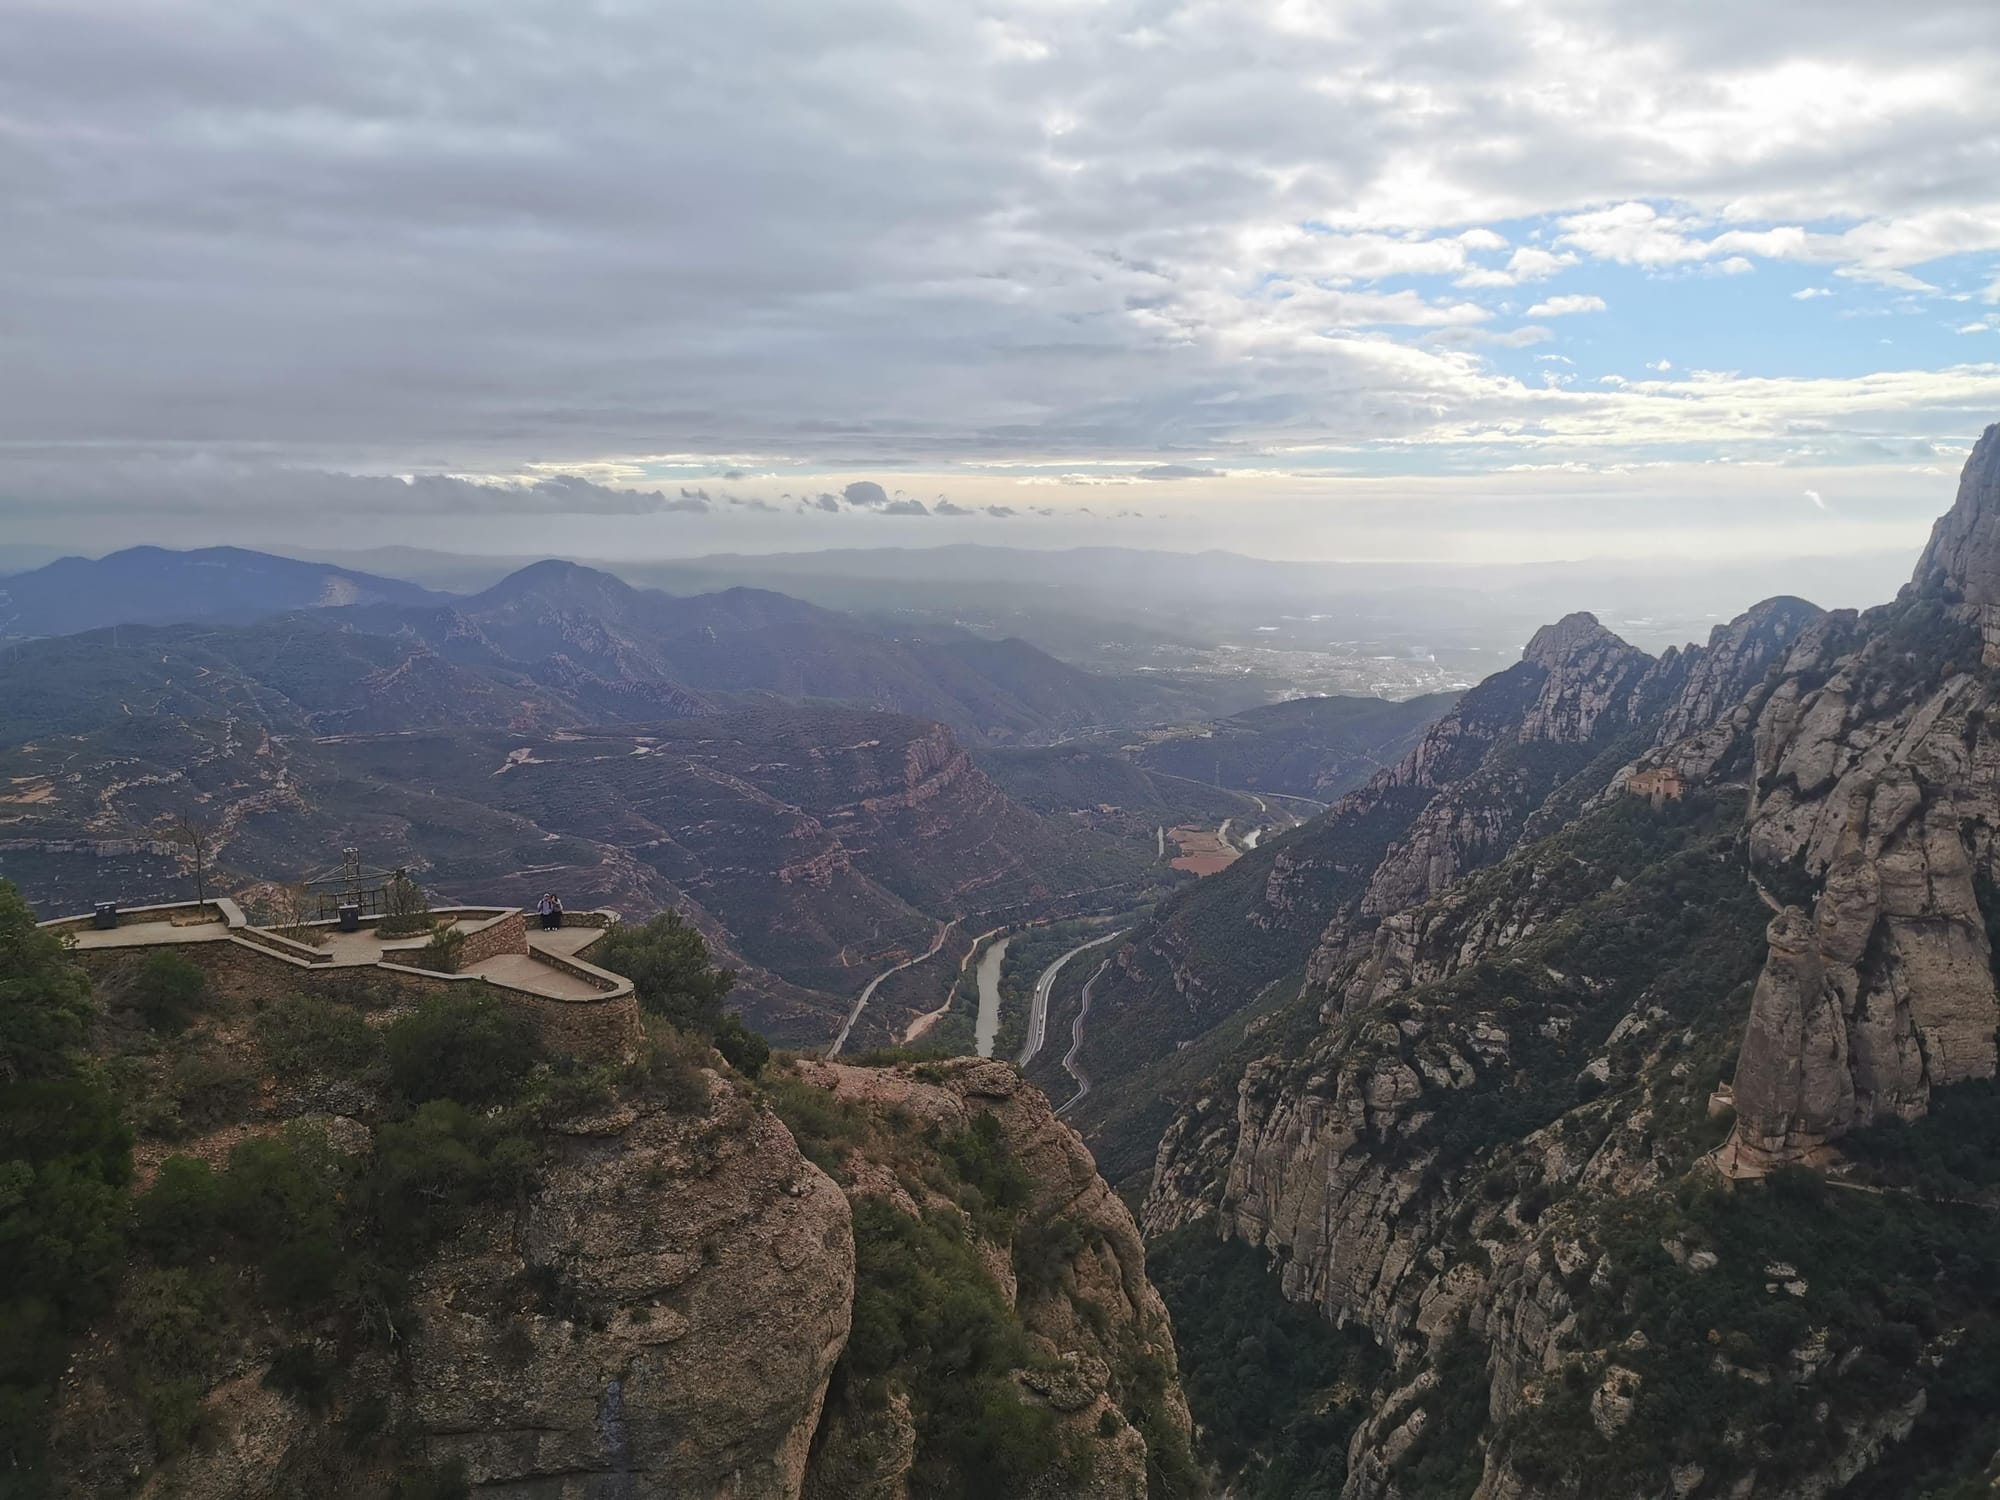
[[551, 909]]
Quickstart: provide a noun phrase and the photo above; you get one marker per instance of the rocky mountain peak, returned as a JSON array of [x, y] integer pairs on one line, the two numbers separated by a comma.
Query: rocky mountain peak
[[1555, 645], [1962, 559]]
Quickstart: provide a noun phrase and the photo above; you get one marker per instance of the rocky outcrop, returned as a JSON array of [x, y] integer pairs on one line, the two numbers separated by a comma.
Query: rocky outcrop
[[1876, 807], [1961, 561], [1591, 675], [1091, 1325], [706, 1273], [1719, 676], [659, 1315], [1490, 767]]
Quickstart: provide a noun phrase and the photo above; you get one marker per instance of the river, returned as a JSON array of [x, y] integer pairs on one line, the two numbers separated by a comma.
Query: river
[[987, 1026]]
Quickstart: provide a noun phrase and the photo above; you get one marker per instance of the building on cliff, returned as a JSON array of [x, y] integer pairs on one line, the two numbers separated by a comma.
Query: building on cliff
[[1658, 785], [577, 1007]]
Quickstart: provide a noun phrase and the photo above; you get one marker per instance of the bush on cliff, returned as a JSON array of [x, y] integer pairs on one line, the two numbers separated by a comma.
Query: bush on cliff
[[168, 990], [443, 954], [64, 1160], [668, 964], [473, 1048]]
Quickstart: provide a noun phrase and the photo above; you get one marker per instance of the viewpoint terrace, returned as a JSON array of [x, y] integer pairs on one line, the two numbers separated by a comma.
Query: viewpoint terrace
[[578, 1007]]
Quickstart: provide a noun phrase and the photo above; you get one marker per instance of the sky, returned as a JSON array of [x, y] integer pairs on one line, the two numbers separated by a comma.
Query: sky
[[1485, 282]]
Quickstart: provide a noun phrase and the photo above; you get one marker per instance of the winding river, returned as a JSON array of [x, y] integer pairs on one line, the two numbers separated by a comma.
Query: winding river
[[987, 1026]]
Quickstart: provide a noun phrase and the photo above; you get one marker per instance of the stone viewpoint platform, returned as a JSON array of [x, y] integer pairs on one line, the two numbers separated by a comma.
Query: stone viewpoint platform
[[578, 1007]]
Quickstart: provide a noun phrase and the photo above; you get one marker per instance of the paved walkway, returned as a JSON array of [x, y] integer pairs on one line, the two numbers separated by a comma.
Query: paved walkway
[[150, 934], [520, 972]]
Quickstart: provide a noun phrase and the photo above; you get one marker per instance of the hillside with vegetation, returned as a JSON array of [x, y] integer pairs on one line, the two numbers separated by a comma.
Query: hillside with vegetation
[[1317, 748], [1621, 1100], [370, 1244], [814, 845]]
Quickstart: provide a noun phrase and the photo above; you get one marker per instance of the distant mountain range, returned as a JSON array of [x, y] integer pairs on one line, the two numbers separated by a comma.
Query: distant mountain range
[[587, 645], [155, 586]]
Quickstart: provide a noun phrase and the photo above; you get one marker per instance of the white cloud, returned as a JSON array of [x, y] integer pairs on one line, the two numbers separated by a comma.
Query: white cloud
[[1814, 496], [1531, 263], [1565, 306], [1808, 293], [896, 236]]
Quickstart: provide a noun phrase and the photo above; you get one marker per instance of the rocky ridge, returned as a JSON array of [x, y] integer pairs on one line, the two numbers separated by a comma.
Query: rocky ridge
[[1493, 1151]]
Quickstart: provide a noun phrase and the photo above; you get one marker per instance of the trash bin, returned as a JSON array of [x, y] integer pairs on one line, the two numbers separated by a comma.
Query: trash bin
[[107, 916], [350, 917]]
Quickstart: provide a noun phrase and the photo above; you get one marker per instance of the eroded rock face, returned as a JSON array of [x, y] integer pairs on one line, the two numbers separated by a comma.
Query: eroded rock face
[[715, 1268], [1738, 655], [1089, 1327], [1879, 787], [1962, 558], [658, 1316]]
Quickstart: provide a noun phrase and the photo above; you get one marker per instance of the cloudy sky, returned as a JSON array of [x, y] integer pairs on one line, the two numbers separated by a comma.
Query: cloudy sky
[[1504, 280]]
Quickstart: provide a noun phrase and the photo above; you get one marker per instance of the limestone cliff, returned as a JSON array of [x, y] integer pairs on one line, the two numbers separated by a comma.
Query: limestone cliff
[[1058, 1250], [1876, 811], [590, 1339], [604, 1282], [1502, 1142]]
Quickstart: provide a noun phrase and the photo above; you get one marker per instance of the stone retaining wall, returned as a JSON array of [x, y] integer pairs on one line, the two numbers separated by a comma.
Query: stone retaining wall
[[602, 1027], [505, 934]]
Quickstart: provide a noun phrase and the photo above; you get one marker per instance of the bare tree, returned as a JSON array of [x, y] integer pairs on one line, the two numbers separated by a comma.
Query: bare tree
[[195, 835]]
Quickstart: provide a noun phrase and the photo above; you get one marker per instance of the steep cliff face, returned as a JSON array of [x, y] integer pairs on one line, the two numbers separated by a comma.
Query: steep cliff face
[[1962, 559], [660, 1231], [1876, 809], [569, 1344], [389, 1254], [1504, 1145], [1310, 900], [1586, 689], [1051, 1244]]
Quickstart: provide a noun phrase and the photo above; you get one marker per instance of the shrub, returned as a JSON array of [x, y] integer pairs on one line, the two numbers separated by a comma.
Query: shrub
[[825, 1128], [282, 1195], [475, 1048], [668, 964], [743, 1049], [303, 1374], [305, 1034], [176, 1218], [669, 1069], [208, 1086], [171, 1320], [429, 1170], [407, 910], [442, 954], [168, 990], [65, 1154], [984, 1164]]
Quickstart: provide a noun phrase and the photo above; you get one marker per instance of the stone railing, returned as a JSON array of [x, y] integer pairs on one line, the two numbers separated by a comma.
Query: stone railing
[[281, 945], [590, 974]]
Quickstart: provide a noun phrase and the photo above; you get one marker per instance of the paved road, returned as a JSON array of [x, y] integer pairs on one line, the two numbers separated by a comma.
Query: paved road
[[868, 994], [1070, 1064], [1038, 1010]]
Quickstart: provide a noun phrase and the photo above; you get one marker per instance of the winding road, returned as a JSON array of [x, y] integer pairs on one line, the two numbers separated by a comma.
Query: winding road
[[1038, 1010], [868, 994], [1070, 1064]]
